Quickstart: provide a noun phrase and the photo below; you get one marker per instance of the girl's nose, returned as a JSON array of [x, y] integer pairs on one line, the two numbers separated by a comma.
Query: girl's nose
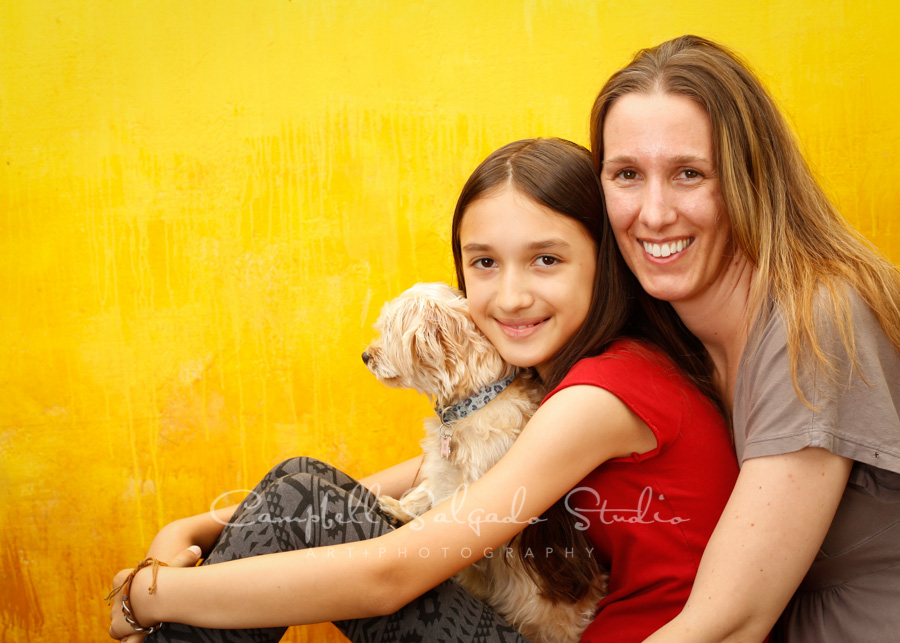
[[514, 292]]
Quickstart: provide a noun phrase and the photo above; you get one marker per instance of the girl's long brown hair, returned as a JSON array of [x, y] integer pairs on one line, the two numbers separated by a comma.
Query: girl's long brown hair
[[559, 175]]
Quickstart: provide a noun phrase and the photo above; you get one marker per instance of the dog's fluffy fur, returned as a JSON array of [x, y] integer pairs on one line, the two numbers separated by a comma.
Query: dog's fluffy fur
[[428, 342]]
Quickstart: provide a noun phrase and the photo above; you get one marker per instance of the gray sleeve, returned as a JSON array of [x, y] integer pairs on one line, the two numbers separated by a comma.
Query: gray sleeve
[[855, 413]]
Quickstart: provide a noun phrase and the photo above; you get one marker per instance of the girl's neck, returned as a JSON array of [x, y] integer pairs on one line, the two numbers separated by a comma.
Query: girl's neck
[[720, 319]]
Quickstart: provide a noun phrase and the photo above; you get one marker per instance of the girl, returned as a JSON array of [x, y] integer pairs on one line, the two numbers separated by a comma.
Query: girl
[[715, 211], [544, 283]]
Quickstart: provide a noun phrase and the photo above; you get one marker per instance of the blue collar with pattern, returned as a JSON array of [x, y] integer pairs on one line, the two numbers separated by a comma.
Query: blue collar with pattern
[[476, 401], [465, 408]]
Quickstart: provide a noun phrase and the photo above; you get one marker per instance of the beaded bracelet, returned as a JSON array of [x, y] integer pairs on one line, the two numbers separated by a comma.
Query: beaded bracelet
[[125, 588]]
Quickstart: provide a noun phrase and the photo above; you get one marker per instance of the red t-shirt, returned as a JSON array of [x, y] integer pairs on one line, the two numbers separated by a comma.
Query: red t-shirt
[[651, 515]]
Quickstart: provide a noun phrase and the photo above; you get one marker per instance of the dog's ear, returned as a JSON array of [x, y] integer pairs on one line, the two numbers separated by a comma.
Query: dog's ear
[[437, 334], [476, 360], [439, 344]]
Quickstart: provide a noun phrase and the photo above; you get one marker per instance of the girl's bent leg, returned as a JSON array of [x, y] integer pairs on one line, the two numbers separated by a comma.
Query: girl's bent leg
[[445, 614], [303, 503]]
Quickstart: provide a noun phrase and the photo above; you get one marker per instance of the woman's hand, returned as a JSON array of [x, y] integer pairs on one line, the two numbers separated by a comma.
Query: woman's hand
[[119, 629]]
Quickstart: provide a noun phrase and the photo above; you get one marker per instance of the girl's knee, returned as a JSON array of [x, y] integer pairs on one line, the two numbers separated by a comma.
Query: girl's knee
[[312, 467], [291, 484], [300, 464], [318, 493]]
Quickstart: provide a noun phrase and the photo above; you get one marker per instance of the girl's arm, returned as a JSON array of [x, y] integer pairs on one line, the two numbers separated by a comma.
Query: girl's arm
[[762, 547], [378, 576], [201, 530], [395, 480], [171, 545]]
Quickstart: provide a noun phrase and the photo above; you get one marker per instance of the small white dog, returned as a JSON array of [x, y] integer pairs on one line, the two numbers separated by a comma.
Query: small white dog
[[428, 342]]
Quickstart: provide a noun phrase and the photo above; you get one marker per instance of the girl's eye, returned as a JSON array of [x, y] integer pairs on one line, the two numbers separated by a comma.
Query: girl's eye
[[484, 262], [547, 260]]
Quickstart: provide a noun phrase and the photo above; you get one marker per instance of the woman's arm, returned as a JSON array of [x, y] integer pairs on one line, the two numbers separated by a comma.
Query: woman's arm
[[762, 547], [379, 576]]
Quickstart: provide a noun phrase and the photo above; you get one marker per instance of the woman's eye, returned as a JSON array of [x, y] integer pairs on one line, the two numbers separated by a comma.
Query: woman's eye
[[691, 174], [628, 175]]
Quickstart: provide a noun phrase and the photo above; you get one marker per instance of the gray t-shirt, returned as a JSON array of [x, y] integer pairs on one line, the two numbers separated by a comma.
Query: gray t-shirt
[[852, 591]]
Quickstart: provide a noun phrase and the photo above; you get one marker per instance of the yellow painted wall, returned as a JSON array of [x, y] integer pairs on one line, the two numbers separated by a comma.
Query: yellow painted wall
[[204, 203]]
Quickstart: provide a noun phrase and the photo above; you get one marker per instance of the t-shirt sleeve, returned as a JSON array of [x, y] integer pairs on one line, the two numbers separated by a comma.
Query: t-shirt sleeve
[[646, 382], [853, 411]]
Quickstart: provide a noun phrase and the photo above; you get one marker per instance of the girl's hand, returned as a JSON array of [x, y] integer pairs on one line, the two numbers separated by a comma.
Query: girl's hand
[[201, 530], [119, 629], [135, 637]]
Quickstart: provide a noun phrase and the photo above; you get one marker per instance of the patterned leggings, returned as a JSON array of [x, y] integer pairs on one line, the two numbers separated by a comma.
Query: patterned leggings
[[304, 503]]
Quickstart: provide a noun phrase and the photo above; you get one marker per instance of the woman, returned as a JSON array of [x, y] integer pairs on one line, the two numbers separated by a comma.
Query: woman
[[715, 211], [544, 283]]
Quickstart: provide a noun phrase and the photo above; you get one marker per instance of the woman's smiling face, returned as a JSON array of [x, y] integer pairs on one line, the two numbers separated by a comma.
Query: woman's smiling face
[[662, 193], [529, 274]]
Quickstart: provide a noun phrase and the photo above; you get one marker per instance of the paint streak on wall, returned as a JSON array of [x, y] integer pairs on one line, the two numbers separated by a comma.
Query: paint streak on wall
[[204, 204]]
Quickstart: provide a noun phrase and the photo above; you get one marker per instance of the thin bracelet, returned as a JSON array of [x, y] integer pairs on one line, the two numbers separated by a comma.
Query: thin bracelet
[[125, 588]]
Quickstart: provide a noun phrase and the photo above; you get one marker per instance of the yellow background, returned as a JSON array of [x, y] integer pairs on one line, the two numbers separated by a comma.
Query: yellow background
[[203, 205]]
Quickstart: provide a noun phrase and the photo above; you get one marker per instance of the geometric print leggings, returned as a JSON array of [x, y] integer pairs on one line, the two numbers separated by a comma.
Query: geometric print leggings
[[304, 503]]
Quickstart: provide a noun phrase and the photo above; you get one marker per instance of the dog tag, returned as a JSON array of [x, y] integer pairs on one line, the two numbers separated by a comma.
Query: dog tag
[[446, 432]]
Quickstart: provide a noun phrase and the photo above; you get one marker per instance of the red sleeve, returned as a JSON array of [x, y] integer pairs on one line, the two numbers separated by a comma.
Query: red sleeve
[[645, 381]]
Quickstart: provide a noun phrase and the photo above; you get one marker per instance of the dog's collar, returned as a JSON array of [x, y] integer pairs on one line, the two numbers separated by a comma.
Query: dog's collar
[[465, 408], [478, 400]]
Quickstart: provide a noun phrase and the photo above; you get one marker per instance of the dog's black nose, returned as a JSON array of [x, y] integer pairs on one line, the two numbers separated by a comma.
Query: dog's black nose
[[365, 358]]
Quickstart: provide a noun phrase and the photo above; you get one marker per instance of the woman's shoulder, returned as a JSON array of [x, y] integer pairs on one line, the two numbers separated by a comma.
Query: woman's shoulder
[[838, 310], [850, 341], [850, 403]]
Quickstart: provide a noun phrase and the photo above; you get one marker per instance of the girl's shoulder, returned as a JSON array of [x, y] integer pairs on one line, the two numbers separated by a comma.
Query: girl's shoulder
[[656, 391], [641, 376], [628, 358]]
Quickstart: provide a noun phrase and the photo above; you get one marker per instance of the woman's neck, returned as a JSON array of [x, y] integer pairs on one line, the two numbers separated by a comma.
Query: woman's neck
[[720, 320]]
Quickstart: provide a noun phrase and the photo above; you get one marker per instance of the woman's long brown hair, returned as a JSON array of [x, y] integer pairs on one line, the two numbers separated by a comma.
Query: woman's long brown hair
[[801, 247]]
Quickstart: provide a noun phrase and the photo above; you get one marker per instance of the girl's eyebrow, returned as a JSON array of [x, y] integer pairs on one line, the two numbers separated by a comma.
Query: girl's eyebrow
[[543, 244], [549, 244]]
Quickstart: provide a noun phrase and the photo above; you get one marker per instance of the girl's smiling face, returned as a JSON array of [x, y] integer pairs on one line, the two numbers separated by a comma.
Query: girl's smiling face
[[662, 194], [529, 274]]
